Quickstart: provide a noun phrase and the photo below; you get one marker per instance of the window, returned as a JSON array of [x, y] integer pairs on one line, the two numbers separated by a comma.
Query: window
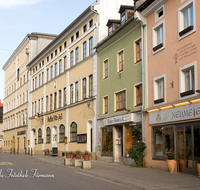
[[40, 136], [51, 55], [186, 18], [39, 65], [65, 44], [187, 79], [73, 132], [111, 30], [159, 13], [48, 135], [71, 93], [120, 100], [84, 50], [158, 37], [55, 100], [47, 58], [32, 85], [138, 89], [51, 71], [163, 141], [107, 141], [59, 98], [51, 102], [72, 39], [91, 23], [35, 108], [105, 103], [76, 92], [72, 58], [138, 47], [55, 52], [77, 34], [60, 66], [35, 68], [48, 74], [43, 63], [64, 96], [39, 106], [65, 63], [85, 28], [23, 81], [17, 74], [20, 84], [61, 133], [42, 105], [60, 48], [39, 79], [120, 61], [47, 103], [35, 82], [123, 18], [84, 88], [159, 89], [77, 55], [105, 68], [90, 85], [91, 45], [56, 68], [42, 78]]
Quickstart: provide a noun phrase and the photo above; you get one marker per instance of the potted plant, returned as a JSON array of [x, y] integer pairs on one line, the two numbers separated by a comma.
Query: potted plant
[[87, 155], [46, 152], [78, 154], [198, 166], [68, 154], [171, 162]]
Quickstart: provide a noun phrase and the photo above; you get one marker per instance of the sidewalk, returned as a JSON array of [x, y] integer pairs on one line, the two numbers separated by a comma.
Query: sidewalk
[[144, 178]]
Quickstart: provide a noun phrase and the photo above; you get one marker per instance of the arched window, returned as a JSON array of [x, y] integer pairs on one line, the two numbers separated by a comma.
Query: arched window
[[73, 132], [61, 133], [48, 135], [40, 136]]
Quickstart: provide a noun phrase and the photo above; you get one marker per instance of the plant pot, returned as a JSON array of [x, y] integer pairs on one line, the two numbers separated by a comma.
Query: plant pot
[[78, 157], [198, 168], [86, 158], [171, 165], [68, 155]]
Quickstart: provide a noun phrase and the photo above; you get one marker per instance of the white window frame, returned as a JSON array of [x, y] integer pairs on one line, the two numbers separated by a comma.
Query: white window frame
[[181, 79], [155, 88], [181, 19], [157, 18], [155, 36]]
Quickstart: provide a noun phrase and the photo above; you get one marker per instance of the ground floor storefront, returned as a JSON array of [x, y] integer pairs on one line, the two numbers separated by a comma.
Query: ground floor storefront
[[116, 135], [175, 130]]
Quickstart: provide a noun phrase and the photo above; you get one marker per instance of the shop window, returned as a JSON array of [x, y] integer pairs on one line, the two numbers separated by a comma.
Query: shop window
[[40, 136], [48, 135], [61, 134], [120, 100], [163, 141], [187, 80], [186, 21], [73, 132], [107, 141]]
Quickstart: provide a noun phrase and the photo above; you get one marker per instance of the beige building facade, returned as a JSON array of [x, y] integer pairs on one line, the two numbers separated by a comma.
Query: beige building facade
[[15, 115]]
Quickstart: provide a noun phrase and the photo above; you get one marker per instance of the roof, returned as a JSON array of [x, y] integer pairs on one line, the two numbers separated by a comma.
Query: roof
[[110, 21], [124, 7], [141, 5], [1, 105]]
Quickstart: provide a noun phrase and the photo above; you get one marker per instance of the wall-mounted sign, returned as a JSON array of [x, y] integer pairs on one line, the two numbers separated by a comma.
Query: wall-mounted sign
[[21, 132], [191, 111], [118, 119], [54, 118]]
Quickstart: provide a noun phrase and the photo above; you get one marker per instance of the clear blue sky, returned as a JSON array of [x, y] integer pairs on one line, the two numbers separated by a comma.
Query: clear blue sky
[[20, 17]]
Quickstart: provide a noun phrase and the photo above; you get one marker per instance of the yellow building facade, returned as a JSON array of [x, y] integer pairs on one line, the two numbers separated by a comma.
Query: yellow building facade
[[15, 122]]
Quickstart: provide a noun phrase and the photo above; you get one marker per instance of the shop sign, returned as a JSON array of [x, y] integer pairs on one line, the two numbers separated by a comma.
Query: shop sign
[[21, 132], [191, 111], [118, 119], [54, 118]]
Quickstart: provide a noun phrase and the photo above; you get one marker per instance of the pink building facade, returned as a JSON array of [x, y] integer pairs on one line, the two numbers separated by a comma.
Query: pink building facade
[[173, 87]]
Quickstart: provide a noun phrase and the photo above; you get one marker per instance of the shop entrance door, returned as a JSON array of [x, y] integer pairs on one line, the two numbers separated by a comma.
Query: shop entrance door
[[188, 148]]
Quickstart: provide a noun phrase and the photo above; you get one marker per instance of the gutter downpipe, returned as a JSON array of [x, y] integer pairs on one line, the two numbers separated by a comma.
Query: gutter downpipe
[[142, 20]]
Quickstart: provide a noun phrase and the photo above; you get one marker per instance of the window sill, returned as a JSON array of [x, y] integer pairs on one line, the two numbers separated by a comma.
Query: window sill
[[186, 30], [187, 93], [159, 101], [138, 105], [138, 61], [123, 109], [158, 47]]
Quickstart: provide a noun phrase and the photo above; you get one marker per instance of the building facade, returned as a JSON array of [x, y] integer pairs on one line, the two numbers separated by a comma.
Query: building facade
[[63, 91], [173, 117], [15, 116], [1, 125], [120, 99]]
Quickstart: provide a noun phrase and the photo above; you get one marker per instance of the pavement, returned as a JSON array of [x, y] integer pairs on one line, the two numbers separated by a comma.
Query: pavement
[[142, 178]]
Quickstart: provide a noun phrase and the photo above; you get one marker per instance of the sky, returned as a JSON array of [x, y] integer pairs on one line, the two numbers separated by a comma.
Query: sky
[[20, 17]]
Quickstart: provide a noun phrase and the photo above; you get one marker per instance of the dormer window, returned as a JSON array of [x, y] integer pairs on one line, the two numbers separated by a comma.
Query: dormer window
[[112, 25], [126, 13], [110, 29], [123, 18]]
